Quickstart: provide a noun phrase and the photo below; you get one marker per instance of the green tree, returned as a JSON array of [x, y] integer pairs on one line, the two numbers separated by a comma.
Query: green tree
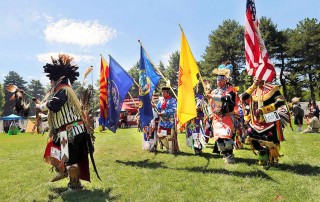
[[77, 87], [35, 89], [275, 42], [171, 72], [96, 97], [162, 70], [304, 48], [15, 79], [134, 73], [225, 43]]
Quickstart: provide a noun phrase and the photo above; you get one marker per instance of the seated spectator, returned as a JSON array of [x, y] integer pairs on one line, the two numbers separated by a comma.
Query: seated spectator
[[313, 124]]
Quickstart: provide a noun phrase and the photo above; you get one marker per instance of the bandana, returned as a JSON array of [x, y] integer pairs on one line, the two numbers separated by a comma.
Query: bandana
[[164, 104]]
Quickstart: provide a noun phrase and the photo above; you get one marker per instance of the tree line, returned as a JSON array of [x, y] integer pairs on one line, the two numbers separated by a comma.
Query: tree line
[[295, 53]]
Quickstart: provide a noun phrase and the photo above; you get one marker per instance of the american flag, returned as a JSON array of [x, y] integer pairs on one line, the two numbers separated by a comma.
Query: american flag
[[258, 63]]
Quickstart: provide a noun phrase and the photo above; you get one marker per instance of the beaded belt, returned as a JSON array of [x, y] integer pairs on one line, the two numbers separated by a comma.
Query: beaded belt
[[69, 126]]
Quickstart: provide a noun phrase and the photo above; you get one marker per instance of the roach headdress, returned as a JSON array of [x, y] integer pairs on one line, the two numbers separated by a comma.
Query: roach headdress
[[62, 68]]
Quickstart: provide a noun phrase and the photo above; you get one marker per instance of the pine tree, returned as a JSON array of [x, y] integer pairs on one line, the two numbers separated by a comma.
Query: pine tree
[[225, 43]]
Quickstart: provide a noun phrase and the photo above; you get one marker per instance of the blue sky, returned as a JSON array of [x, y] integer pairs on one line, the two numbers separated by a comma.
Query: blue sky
[[32, 31]]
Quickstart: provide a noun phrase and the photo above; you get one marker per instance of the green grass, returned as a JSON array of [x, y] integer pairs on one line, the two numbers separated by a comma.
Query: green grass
[[129, 173]]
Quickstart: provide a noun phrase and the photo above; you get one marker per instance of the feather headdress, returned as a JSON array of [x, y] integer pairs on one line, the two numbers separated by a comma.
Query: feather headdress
[[222, 72], [64, 67], [224, 69]]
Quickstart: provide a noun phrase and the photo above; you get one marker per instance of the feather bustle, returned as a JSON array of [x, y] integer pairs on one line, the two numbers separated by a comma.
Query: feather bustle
[[11, 88]]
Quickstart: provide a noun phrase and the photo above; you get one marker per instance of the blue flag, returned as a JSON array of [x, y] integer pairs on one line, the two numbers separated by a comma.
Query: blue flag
[[119, 83], [150, 71], [148, 81]]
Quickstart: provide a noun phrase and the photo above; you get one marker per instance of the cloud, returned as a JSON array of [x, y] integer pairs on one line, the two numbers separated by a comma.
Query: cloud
[[166, 56], [46, 57], [83, 33], [2, 75], [165, 59], [21, 22]]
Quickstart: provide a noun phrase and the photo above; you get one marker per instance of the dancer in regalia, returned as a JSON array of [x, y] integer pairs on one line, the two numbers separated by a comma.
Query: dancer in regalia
[[265, 130], [223, 102], [149, 139], [194, 130], [70, 141]]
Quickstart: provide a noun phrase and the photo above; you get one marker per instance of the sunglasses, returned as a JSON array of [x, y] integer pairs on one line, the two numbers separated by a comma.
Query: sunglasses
[[220, 77]]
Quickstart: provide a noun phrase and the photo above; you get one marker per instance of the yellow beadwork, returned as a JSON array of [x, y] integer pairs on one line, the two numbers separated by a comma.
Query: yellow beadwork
[[268, 108]]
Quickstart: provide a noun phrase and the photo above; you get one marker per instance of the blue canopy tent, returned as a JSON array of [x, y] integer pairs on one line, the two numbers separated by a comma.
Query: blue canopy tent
[[11, 117], [13, 129]]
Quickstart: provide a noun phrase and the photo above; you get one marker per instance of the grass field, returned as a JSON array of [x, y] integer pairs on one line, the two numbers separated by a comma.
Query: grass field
[[130, 174]]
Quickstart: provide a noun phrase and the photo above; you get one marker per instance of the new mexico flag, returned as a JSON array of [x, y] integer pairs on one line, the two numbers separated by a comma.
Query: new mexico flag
[[187, 80]]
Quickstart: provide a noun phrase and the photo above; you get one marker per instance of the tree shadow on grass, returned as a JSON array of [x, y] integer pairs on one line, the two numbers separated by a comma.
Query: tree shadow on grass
[[247, 161], [245, 148], [250, 174], [98, 195], [300, 169], [144, 164], [204, 170], [207, 156]]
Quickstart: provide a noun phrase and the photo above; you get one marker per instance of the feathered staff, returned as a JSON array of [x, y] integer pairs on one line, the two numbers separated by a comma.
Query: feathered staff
[[22, 106], [88, 117], [85, 104], [86, 73]]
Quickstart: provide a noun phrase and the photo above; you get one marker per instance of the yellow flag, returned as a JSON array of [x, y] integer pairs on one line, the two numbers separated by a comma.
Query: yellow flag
[[188, 70]]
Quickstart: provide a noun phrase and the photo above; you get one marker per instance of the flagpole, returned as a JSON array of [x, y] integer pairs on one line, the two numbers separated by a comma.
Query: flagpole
[[157, 69], [204, 87], [135, 104], [135, 82]]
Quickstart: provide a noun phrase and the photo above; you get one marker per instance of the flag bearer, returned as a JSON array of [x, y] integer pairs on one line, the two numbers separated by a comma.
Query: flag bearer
[[264, 126], [167, 109]]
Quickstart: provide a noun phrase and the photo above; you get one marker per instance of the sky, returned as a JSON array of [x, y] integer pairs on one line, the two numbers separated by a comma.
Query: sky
[[33, 31]]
